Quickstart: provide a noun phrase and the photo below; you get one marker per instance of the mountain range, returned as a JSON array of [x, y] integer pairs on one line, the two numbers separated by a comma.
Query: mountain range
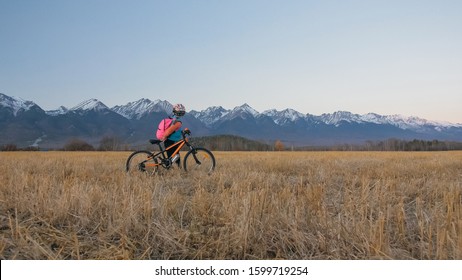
[[25, 123]]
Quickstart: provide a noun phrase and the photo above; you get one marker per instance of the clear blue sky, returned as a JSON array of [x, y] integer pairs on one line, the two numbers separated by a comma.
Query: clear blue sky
[[388, 57]]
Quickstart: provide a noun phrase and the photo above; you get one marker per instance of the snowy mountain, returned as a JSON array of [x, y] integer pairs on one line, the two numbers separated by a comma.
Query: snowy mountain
[[338, 117], [89, 105], [218, 114], [284, 117], [415, 123], [15, 104], [24, 122], [244, 112], [245, 109], [331, 128], [211, 115], [137, 109], [60, 111], [215, 115]]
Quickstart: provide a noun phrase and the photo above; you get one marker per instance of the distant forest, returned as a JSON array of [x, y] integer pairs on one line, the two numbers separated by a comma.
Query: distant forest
[[392, 145], [237, 143], [230, 143]]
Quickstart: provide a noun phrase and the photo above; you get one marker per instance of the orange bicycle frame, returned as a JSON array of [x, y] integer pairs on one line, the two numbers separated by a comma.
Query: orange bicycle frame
[[180, 144]]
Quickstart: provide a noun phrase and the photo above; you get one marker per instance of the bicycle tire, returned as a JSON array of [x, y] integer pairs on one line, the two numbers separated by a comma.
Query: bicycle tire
[[199, 161], [136, 163]]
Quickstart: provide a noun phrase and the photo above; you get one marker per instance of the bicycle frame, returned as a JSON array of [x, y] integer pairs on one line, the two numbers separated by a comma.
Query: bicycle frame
[[177, 146], [193, 159]]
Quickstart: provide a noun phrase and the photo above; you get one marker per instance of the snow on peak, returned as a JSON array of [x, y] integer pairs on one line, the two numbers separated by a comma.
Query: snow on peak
[[214, 109], [211, 115], [60, 111], [285, 116], [400, 121], [15, 103], [90, 105], [217, 114], [137, 109], [247, 109], [373, 118], [163, 106], [340, 116], [414, 123], [405, 122]]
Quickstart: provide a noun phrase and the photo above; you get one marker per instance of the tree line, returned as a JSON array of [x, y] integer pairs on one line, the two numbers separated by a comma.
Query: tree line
[[111, 143], [237, 143], [392, 145], [107, 143], [230, 143]]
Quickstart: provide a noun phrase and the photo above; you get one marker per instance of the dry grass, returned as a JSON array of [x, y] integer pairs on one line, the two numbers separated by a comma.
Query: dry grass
[[294, 205]]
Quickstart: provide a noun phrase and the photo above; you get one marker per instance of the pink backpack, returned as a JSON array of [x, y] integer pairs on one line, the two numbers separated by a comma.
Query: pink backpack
[[162, 127]]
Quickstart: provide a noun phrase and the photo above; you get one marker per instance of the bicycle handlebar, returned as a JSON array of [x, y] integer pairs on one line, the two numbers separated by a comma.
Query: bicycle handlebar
[[185, 132]]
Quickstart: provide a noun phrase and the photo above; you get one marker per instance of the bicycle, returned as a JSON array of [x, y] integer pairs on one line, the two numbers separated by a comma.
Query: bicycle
[[197, 159]]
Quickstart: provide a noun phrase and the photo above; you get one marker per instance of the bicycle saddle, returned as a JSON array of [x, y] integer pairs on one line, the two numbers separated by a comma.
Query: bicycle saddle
[[154, 141]]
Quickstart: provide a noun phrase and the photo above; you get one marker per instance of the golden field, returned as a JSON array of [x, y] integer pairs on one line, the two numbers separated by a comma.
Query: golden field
[[256, 205]]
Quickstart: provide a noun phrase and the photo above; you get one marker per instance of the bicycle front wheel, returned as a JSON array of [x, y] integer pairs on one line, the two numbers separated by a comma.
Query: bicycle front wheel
[[141, 161], [199, 161]]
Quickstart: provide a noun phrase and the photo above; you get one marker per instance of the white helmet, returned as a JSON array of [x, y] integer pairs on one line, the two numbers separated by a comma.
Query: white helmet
[[179, 110]]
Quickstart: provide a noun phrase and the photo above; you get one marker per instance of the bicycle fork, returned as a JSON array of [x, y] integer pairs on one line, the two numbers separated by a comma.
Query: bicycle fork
[[194, 152]]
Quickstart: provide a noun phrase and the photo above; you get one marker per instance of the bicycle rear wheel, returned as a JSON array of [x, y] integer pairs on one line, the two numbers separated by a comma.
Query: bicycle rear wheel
[[199, 161], [141, 162]]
